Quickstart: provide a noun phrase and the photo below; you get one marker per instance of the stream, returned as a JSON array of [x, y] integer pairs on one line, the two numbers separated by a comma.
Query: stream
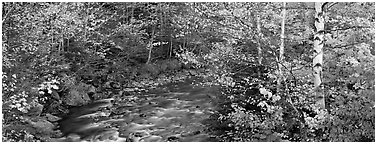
[[177, 112]]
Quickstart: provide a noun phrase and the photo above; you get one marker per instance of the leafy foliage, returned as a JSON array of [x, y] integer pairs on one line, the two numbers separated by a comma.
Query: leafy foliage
[[59, 54]]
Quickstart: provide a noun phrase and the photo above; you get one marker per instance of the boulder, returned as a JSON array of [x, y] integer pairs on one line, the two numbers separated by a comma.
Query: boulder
[[40, 124], [36, 109], [153, 138], [174, 65], [52, 118], [78, 95], [192, 72], [97, 96], [164, 66], [76, 98]]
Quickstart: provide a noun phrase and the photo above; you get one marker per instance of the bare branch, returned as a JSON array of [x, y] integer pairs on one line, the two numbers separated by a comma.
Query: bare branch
[[6, 15], [237, 18], [331, 5], [347, 28], [347, 45], [217, 22]]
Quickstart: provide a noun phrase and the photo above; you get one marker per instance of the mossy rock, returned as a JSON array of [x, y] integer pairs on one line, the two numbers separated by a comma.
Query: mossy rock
[[174, 65], [151, 69], [78, 95]]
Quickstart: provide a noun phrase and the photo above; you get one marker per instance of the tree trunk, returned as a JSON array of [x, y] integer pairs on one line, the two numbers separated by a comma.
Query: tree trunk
[[132, 11], [86, 21], [318, 53], [150, 45], [171, 46], [171, 36], [68, 42], [259, 48], [281, 50], [259, 40], [53, 48]]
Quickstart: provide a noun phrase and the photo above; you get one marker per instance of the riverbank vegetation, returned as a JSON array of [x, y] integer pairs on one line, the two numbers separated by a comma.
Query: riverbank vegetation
[[287, 71]]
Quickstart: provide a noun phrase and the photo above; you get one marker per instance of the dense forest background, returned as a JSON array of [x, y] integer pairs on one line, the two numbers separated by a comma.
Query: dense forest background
[[287, 71]]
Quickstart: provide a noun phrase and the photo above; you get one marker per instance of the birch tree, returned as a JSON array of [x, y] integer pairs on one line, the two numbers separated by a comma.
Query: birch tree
[[318, 53]]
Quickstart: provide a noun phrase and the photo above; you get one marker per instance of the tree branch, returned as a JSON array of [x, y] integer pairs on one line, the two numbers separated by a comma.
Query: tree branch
[[347, 28], [331, 5], [217, 22], [340, 46], [237, 18], [6, 15]]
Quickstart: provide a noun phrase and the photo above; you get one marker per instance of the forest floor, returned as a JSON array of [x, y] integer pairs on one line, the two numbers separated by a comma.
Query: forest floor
[[176, 111]]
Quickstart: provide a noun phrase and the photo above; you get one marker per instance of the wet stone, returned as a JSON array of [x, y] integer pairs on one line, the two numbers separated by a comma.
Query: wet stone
[[153, 138], [173, 138]]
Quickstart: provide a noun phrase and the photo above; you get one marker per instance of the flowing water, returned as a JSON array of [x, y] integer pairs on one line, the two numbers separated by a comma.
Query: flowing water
[[173, 112]]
